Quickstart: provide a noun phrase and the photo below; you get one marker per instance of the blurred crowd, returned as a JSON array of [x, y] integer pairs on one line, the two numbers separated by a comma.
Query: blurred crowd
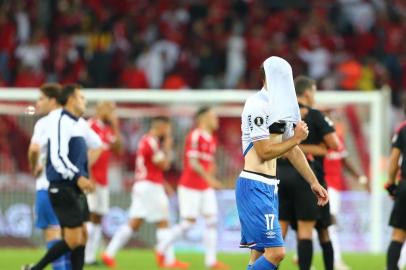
[[209, 44]]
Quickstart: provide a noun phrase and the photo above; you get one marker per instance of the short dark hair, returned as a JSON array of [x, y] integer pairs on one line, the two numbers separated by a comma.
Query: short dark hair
[[67, 91], [51, 90], [303, 83], [202, 110]]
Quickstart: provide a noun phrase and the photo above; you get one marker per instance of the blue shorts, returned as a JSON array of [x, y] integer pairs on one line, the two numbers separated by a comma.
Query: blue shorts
[[258, 210], [44, 213]]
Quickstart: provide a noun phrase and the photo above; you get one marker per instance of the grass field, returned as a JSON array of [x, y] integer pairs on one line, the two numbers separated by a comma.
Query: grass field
[[12, 259]]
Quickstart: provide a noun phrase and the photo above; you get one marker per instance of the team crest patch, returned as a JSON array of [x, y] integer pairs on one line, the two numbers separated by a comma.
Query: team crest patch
[[259, 121]]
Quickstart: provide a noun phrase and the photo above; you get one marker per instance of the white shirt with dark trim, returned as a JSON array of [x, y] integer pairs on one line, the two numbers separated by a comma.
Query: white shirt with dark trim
[[255, 121], [69, 138], [39, 137]]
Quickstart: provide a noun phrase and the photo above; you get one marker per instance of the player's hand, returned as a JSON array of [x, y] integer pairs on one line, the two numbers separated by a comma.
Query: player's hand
[[391, 188], [321, 194], [167, 144], [301, 131], [85, 184], [214, 183]]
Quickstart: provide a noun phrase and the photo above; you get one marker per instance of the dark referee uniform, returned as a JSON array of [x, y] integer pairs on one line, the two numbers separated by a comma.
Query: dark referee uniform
[[398, 215], [69, 139], [296, 199]]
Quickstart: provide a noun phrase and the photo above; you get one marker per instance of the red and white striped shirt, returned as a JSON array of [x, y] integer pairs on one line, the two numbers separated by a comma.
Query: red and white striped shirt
[[148, 153]]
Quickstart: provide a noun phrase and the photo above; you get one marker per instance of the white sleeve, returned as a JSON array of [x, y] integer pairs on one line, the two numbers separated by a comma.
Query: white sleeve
[[38, 136], [93, 141], [256, 118], [289, 131], [60, 134]]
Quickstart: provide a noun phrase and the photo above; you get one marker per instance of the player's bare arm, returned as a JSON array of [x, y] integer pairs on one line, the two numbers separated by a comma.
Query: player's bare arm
[[314, 149], [163, 157], [198, 168], [268, 149], [298, 160], [117, 144], [33, 157]]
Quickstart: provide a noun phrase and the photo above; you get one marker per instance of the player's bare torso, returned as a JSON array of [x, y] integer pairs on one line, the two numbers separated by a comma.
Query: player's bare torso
[[255, 164]]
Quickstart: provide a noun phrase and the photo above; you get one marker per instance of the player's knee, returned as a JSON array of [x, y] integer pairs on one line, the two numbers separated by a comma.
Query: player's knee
[[275, 255], [187, 224]]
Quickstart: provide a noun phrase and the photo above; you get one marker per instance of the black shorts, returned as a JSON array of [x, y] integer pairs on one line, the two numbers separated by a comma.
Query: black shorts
[[398, 215], [69, 203], [296, 199]]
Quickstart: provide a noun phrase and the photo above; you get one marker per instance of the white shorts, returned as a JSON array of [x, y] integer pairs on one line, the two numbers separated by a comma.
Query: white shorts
[[99, 200], [149, 201], [194, 203], [335, 201]]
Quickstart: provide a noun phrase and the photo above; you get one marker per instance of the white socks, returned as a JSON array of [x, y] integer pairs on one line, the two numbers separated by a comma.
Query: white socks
[[210, 244], [120, 238], [335, 241], [93, 241], [163, 234], [175, 232]]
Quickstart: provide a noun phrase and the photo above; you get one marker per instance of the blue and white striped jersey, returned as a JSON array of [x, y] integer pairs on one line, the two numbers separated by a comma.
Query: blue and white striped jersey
[[69, 138]]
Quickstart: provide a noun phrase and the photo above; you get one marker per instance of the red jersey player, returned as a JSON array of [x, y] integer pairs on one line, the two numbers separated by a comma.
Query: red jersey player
[[105, 124], [334, 164], [196, 188], [149, 200]]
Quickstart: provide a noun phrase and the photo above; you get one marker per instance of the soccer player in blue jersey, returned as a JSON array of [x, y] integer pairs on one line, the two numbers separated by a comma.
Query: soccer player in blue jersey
[[271, 127]]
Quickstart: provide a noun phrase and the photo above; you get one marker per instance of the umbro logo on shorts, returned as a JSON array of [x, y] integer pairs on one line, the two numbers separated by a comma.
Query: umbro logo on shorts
[[270, 234]]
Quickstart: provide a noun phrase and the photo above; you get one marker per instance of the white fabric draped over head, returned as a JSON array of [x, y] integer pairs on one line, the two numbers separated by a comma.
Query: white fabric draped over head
[[281, 91]]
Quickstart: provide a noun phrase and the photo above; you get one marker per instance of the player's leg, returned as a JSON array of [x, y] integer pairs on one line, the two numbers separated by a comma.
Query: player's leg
[[210, 212], [189, 201], [48, 222], [98, 204], [402, 259], [395, 246], [326, 248], [398, 223], [305, 243], [138, 211]]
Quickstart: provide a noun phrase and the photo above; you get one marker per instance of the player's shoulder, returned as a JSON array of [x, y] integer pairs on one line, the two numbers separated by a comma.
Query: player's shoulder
[[256, 102], [41, 123]]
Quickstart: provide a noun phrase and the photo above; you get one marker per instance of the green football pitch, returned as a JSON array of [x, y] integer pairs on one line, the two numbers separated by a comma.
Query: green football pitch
[[135, 259]]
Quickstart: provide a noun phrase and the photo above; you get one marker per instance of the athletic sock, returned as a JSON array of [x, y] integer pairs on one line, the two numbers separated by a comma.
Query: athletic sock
[[393, 255], [328, 255], [58, 264], [263, 264], [210, 244], [93, 242], [176, 232], [249, 267], [161, 235], [120, 238], [68, 264], [56, 251], [402, 259], [305, 254], [77, 258], [335, 241]]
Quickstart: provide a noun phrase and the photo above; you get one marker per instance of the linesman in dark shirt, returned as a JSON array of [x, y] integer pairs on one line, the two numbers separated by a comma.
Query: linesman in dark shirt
[[69, 138], [297, 205], [397, 190]]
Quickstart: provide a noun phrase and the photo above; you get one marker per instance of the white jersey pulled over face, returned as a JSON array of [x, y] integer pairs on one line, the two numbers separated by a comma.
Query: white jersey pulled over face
[[255, 121], [40, 137]]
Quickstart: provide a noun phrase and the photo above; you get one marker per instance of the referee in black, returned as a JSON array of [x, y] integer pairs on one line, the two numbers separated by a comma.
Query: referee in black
[[397, 190], [67, 171], [297, 204]]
